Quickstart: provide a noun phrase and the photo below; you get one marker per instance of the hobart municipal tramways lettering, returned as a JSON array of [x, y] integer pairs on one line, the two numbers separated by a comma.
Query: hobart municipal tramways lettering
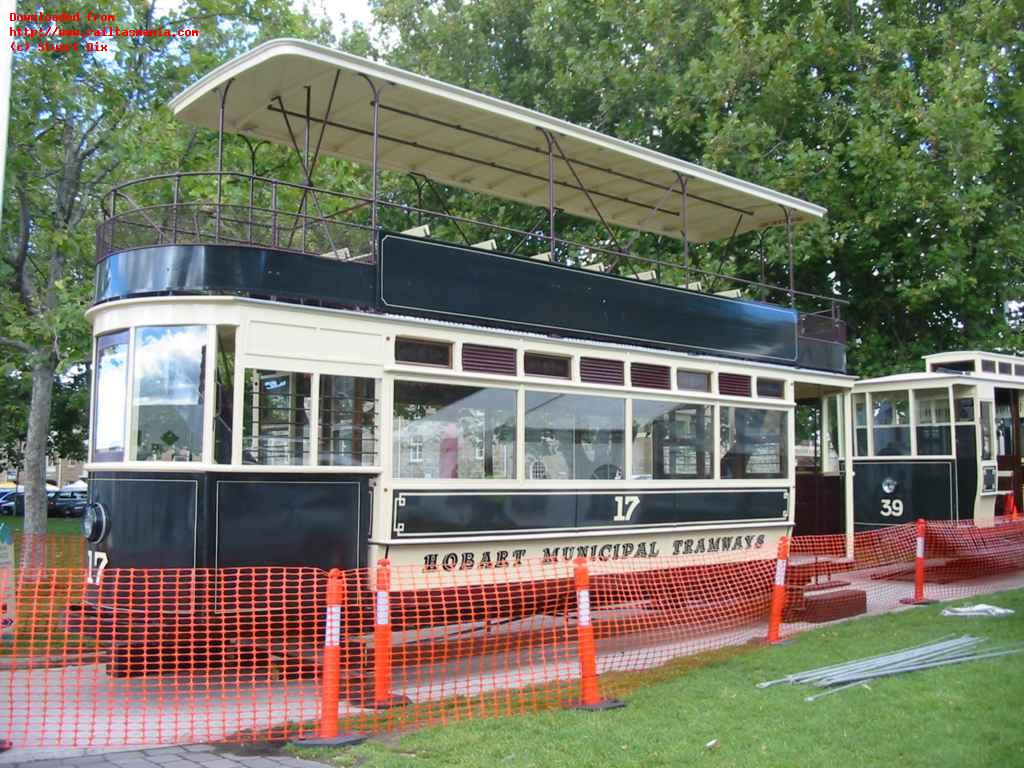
[[619, 550]]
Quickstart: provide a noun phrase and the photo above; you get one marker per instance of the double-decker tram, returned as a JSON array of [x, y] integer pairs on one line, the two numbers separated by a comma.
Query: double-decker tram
[[939, 444], [293, 375]]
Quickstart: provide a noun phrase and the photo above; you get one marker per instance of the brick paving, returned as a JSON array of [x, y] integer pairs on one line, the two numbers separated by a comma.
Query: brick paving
[[188, 756]]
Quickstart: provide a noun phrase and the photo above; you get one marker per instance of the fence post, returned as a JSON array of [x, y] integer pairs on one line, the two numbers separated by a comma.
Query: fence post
[[918, 598], [382, 696], [778, 592], [590, 694], [330, 677]]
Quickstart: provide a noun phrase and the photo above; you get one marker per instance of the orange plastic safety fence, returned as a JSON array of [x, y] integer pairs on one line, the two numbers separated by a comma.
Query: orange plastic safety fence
[[960, 560], [146, 657], [160, 656]]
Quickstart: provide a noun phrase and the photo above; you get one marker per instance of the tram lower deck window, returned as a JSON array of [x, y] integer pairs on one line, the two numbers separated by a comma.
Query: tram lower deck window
[[110, 391], [755, 443], [575, 437], [934, 423], [276, 418], [672, 440], [448, 431], [890, 418], [168, 397], [348, 421]]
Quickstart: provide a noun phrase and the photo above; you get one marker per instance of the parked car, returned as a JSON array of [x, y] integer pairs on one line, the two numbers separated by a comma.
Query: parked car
[[66, 503], [13, 503]]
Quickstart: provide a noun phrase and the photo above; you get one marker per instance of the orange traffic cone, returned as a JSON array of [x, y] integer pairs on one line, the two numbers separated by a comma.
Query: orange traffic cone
[[1010, 511]]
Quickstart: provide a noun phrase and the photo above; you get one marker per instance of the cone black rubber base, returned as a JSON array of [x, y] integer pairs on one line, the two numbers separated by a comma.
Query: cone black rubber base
[[601, 705], [912, 601], [344, 740]]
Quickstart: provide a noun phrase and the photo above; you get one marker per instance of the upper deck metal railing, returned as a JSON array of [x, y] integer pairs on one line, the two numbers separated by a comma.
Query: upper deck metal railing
[[231, 208]]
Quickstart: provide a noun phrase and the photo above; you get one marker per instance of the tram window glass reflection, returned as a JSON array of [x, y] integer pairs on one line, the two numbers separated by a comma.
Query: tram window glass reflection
[[860, 424], [933, 422], [964, 409], [276, 418], [168, 399], [890, 417], [223, 419], [348, 421], [575, 437], [985, 412], [111, 392], [770, 387], [1004, 423], [694, 381], [672, 440], [755, 443], [439, 429]]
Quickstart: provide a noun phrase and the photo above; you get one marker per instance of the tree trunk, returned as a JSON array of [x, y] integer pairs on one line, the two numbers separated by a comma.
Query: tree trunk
[[34, 547]]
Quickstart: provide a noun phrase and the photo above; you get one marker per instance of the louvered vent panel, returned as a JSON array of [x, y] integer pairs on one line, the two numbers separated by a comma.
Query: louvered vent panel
[[599, 371], [733, 384], [483, 359], [651, 376]]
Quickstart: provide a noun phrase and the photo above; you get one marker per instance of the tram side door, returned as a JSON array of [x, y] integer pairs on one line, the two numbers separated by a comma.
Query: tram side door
[[1009, 405]]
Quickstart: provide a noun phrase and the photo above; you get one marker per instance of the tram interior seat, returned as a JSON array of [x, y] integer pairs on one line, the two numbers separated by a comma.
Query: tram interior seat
[[697, 286], [546, 256], [421, 231], [732, 293], [597, 266], [486, 245], [647, 276]]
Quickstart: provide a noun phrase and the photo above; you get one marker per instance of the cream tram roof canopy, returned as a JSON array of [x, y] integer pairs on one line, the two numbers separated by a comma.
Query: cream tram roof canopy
[[475, 142]]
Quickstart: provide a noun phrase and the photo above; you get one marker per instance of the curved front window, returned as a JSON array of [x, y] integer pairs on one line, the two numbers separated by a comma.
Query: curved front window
[[167, 406], [109, 393]]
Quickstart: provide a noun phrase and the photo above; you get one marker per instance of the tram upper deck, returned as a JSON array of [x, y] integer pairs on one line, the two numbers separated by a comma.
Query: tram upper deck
[[225, 232]]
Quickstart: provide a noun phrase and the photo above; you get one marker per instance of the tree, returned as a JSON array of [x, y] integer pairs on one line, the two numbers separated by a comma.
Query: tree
[[902, 118], [99, 118]]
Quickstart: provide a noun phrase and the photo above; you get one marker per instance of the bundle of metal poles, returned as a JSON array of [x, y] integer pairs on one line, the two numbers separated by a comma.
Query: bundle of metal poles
[[940, 653]]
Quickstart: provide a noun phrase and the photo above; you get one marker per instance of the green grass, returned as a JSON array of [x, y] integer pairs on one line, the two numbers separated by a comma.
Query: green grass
[[964, 715], [65, 525]]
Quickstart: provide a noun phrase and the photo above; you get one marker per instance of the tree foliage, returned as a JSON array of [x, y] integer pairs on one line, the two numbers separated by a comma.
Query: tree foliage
[[902, 118]]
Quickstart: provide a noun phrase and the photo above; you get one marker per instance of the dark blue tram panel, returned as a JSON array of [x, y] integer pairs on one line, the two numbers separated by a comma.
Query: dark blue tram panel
[[454, 513], [229, 520], [901, 491]]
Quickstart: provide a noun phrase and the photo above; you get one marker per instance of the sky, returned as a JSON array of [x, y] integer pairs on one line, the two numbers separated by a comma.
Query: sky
[[353, 10]]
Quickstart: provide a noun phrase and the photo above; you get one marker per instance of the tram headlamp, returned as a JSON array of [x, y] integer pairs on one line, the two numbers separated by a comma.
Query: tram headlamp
[[95, 522], [889, 485]]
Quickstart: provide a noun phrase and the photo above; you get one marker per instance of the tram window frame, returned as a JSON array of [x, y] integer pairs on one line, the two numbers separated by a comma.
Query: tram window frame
[[405, 342], [861, 442], [574, 451], [117, 403], [729, 458], [686, 379], [299, 416], [774, 389], [987, 430], [896, 427], [988, 366], [928, 404], [361, 404], [703, 447], [417, 433], [172, 384]]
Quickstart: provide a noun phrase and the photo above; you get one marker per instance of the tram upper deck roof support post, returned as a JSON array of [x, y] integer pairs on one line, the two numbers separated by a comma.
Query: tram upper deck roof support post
[[551, 194], [374, 169], [220, 151], [789, 249], [684, 217]]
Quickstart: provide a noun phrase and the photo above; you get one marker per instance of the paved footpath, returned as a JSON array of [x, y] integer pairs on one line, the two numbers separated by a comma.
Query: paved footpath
[[191, 756]]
